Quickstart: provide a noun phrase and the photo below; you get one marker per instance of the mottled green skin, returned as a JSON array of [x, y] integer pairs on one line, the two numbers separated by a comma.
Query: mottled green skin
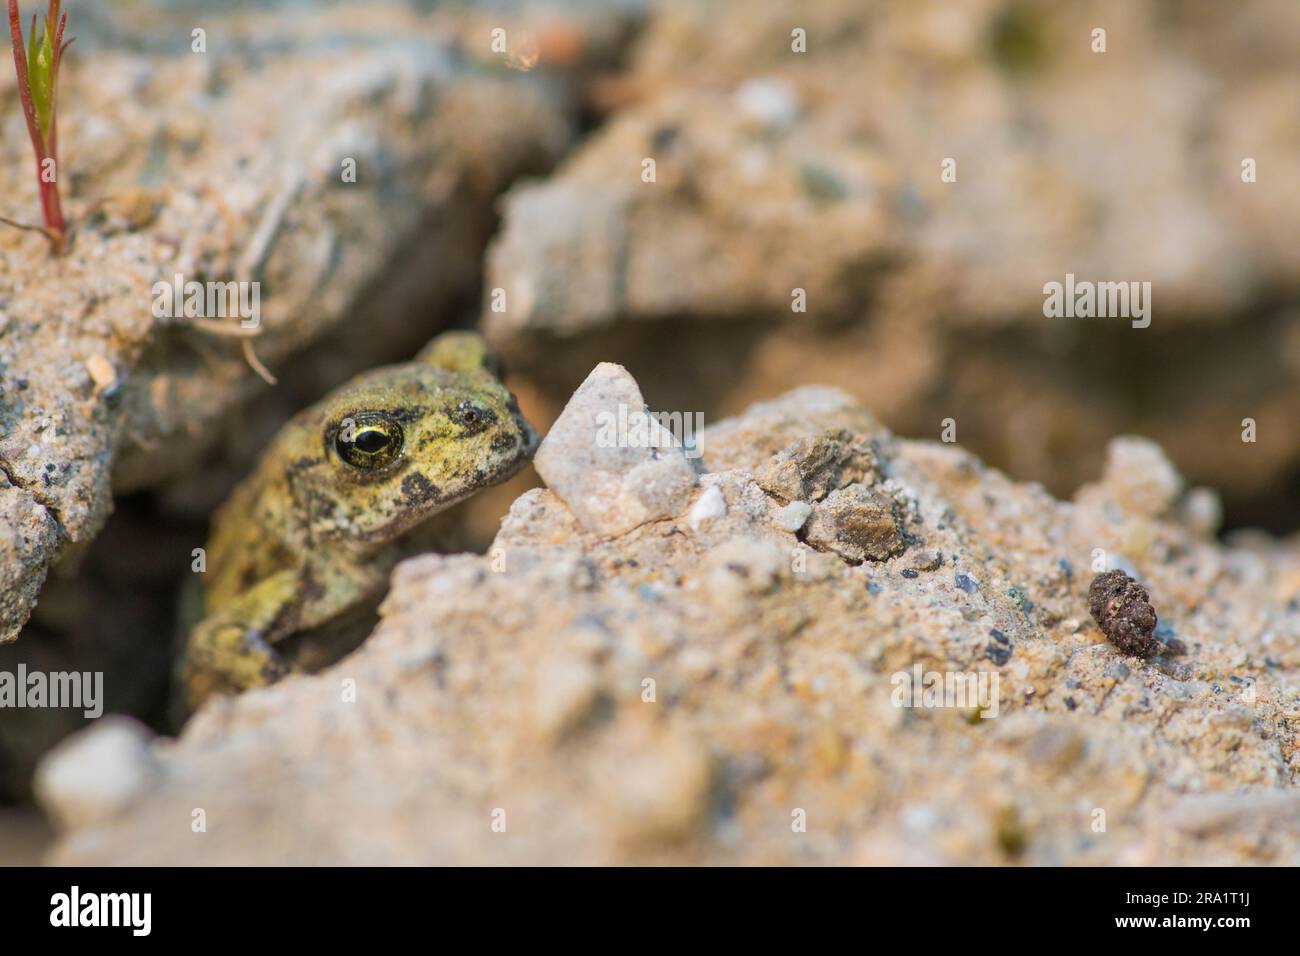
[[309, 537]]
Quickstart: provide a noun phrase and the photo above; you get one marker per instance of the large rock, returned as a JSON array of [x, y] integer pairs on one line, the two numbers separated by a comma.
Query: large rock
[[799, 227], [710, 688]]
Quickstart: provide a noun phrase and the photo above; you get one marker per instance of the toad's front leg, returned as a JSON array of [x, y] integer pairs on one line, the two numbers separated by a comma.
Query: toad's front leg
[[230, 650]]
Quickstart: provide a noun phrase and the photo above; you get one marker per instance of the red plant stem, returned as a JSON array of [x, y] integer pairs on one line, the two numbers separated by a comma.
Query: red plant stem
[[51, 208], [24, 85]]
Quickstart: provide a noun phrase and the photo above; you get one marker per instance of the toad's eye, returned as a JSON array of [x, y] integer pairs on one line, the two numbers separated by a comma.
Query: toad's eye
[[472, 417], [368, 441]]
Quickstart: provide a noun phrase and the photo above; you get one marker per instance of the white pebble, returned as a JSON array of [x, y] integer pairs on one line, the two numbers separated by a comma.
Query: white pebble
[[96, 774], [773, 103], [613, 475], [711, 504], [793, 515], [1203, 512]]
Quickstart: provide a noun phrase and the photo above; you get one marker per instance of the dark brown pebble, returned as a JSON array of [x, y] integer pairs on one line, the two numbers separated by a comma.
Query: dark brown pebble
[[1122, 609]]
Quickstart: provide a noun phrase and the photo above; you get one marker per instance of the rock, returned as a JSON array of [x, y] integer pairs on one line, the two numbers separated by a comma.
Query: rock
[[770, 434], [857, 523], [772, 104], [1202, 814], [29, 538], [711, 504], [610, 460], [811, 468], [1202, 512], [797, 233], [567, 689], [1123, 611], [677, 693], [97, 774], [928, 560], [1140, 478], [661, 793], [102, 372], [794, 515]]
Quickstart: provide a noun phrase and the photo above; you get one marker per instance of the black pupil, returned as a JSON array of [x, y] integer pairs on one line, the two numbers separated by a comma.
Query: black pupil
[[372, 440]]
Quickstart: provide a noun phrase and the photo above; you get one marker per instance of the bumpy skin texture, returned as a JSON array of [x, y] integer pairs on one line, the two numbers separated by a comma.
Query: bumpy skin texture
[[311, 534], [1122, 609]]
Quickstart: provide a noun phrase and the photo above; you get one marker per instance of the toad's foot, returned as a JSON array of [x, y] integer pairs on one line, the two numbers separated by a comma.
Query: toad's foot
[[231, 651]]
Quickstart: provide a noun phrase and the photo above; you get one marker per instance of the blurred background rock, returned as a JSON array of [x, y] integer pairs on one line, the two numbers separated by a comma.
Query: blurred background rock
[[821, 171]]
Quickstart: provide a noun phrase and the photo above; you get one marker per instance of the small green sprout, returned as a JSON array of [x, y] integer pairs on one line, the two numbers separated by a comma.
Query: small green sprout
[[38, 88]]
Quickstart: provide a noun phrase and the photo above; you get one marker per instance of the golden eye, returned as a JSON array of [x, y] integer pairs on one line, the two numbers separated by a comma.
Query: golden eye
[[368, 441]]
